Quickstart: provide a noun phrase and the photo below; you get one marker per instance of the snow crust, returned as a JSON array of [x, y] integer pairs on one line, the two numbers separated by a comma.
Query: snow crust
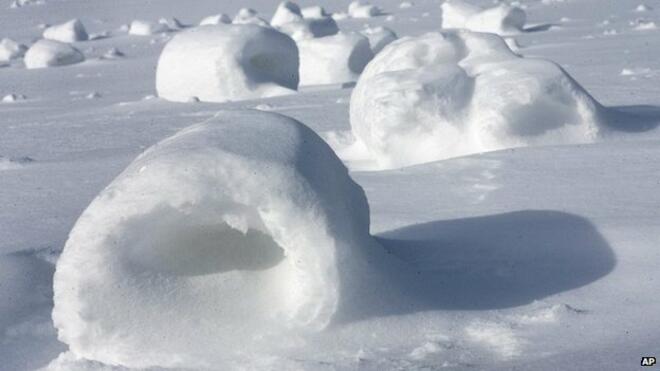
[[49, 53], [233, 236], [449, 94], [67, 32], [502, 19], [227, 62], [336, 59]]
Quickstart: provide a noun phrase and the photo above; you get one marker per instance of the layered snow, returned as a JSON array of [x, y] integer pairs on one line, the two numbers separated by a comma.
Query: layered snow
[[231, 237], [226, 63], [49, 53], [336, 59], [67, 32], [10, 49], [502, 19], [450, 94]]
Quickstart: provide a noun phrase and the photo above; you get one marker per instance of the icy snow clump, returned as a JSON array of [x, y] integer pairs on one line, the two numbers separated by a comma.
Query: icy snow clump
[[333, 59], [226, 63], [49, 53], [230, 238], [10, 49], [67, 32], [455, 93], [502, 19]]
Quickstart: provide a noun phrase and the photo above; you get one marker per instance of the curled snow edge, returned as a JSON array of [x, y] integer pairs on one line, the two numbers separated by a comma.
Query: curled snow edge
[[233, 236], [455, 93]]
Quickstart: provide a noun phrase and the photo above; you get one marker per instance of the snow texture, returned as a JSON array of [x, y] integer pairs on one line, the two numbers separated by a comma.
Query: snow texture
[[501, 19], [10, 49], [227, 62], [233, 234], [67, 32], [333, 59], [450, 94], [49, 53]]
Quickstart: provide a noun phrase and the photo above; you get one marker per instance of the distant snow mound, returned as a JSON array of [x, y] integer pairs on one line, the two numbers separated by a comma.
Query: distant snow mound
[[316, 11], [147, 28], [231, 237], [67, 32], [501, 19], [10, 49], [455, 93], [289, 19], [379, 37], [215, 19], [249, 16], [49, 53], [333, 59], [361, 9], [226, 63]]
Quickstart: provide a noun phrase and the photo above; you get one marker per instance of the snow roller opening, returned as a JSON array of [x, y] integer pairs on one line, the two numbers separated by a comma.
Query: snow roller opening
[[227, 62], [232, 237]]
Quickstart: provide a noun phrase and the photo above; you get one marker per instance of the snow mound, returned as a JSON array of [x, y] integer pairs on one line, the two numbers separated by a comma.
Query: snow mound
[[49, 53], [249, 16], [11, 98], [379, 37], [227, 62], [455, 93], [231, 237], [289, 19], [67, 32], [316, 11], [10, 49], [333, 59], [146, 28], [502, 19], [360, 9], [215, 19]]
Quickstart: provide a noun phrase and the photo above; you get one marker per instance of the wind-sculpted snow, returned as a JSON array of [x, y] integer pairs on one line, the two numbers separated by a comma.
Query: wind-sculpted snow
[[502, 19], [227, 62], [232, 237], [455, 93]]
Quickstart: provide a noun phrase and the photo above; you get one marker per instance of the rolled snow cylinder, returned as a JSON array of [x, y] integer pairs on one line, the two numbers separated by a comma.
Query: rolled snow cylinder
[[48, 53], [231, 237], [226, 63], [455, 93]]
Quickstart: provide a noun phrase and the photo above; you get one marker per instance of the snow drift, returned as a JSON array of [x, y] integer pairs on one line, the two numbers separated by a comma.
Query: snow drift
[[501, 19], [450, 94], [231, 237], [333, 59], [227, 62], [67, 32], [49, 53]]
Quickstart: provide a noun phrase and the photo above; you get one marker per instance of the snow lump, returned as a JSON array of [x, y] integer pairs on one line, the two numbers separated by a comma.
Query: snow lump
[[49, 53], [10, 49], [289, 19], [333, 59], [228, 239], [67, 32], [501, 19], [456, 93], [226, 63]]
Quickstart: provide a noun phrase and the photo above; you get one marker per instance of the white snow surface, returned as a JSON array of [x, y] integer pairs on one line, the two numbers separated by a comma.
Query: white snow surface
[[48, 53], [10, 49], [502, 19], [450, 94], [227, 62], [542, 257], [335, 59], [67, 32]]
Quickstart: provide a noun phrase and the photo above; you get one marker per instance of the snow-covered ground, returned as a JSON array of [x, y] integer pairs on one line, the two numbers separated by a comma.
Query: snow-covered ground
[[540, 257]]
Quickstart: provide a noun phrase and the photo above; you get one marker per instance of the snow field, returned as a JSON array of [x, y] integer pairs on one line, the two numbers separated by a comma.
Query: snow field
[[227, 62]]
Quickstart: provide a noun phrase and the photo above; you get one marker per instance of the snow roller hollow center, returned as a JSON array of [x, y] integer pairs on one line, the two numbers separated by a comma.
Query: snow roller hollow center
[[226, 236]]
